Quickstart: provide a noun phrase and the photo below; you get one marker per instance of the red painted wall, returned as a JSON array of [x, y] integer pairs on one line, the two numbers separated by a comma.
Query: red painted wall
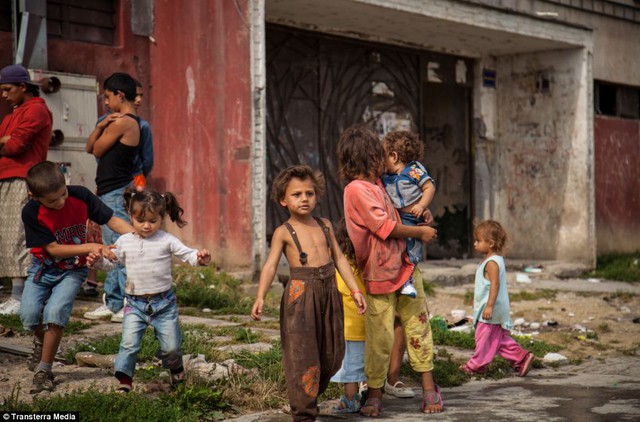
[[129, 54], [201, 120], [617, 142], [197, 82]]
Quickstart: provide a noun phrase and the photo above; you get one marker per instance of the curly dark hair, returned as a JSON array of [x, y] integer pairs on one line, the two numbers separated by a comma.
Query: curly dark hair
[[360, 154], [406, 144], [492, 232], [301, 172]]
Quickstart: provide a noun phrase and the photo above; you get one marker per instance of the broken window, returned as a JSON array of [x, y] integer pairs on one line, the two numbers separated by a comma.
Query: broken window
[[617, 100]]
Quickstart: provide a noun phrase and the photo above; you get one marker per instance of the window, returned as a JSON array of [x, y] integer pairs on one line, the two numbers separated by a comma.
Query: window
[[617, 100], [82, 20]]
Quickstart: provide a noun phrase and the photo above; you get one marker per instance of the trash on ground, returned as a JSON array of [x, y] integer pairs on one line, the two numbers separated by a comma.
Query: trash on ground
[[467, 328], [571, 314], [522, 278], [580, 328], [625, 310], [533, 269], [636, 320], [95, 359], [458, 313], [518, 322], [206, 310], [534, 325], [555, 358], [593, 280]]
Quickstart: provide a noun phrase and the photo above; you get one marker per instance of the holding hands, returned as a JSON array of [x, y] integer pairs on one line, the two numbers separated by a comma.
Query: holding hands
[[204, 257]]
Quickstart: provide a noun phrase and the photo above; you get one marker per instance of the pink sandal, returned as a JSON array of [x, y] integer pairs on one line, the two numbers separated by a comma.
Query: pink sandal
[[432, 398]]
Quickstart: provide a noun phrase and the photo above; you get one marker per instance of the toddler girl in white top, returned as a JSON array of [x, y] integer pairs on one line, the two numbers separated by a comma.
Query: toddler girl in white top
[[491, 305], [146, 254]]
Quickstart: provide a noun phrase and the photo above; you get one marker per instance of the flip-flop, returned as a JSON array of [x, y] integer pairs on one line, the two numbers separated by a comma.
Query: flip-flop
[[432, 398], [374, 403]]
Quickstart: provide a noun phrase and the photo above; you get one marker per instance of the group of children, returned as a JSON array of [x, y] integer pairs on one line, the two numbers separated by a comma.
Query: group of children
[[386, 201], [346, 318]]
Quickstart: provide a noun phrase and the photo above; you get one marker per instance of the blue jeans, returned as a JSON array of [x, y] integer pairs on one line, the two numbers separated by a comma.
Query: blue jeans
[[414, 246], [160, 312], [114, 283], [48, 295]]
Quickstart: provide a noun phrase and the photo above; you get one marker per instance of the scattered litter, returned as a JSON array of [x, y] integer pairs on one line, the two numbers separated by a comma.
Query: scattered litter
[[458, 313], [5, 331], [593, 280], [591, 318], [580, 328], [555, 358], [206, 310], [533, 269], [571, 314], [636, 320], [462, 329], [518, 322], [625, 310], [535, 333], [582, 338], [534, 325], [550, 323], [522, 278], [212, 286], [201, 275], [460, 323]]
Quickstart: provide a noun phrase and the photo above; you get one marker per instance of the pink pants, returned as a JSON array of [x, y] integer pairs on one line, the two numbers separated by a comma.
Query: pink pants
[[492, 339]]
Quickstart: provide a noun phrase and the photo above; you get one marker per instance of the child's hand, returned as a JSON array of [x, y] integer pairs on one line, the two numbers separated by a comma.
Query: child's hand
[[417, 210], [256, 311], [107, 252], [427, 233], [204, 257], [109, 119], [427, 216], [487, 313], [358, 298], [92, 258]]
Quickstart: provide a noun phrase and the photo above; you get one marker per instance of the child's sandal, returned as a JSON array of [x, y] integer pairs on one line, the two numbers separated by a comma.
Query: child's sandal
[[432, 398], [349, 406], [374, 406]]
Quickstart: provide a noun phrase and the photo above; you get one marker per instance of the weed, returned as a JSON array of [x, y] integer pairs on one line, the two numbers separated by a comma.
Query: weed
[[429, 288], [624, 297], [188, 403], [621, 267], [545, 308], [604, 328], [13, 322], [468, 297], [538, 348], [444, 337], [534, 295], [206, 288]]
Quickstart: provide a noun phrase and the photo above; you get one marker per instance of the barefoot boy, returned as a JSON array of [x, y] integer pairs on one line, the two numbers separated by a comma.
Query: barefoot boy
[[55, 228], [311, 315]]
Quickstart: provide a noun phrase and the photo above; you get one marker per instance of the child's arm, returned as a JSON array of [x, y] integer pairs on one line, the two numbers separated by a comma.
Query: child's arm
[[100, 262], [268, 271], [98, 130], [424, 233], [491, 272], [112, 134], [57, 250], [204, 257], [344, 268], [119, 226], [428, 191]]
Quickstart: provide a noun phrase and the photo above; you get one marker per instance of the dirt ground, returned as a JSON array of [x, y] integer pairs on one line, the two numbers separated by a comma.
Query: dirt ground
[[609, 314]]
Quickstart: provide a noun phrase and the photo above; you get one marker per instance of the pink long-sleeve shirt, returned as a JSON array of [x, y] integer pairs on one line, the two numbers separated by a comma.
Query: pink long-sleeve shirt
[[370, 219]]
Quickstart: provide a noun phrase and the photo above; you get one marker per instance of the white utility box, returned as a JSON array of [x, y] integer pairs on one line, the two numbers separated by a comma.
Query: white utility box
[[74, 108]]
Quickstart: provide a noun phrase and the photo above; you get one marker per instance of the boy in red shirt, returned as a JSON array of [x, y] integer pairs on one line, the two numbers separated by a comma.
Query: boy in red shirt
[[55, 227]]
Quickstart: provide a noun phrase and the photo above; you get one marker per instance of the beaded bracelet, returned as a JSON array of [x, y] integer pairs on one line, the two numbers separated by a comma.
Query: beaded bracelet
[[355, 291]]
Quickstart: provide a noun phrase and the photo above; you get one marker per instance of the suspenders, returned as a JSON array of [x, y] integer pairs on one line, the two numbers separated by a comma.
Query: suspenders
[[303, 255]]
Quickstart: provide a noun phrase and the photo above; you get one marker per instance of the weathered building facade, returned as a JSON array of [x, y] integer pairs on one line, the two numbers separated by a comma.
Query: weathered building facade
[[501, 92]]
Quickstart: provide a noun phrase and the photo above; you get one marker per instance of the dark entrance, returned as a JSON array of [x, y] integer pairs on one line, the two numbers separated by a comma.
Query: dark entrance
[[317, 86]]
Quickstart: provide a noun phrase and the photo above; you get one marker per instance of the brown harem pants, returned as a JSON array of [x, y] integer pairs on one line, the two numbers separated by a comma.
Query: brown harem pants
[[312, 332]]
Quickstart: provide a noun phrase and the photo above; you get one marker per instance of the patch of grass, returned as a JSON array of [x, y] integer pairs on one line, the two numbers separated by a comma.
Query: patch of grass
[[186, 404], [587, 294], [545, 308], [604, 328], [444, 337], [533, 295], [620, 267], [429, 288], [624, 297], [538, 348], [468, 298], [13, 322], [203, 287]]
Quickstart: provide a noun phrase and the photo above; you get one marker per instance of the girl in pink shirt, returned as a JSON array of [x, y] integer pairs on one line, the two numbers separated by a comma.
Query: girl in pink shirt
[[378, 236]]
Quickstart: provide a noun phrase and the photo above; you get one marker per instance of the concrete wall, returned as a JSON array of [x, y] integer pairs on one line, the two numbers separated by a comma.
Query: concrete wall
[[617, 164], [201, 77], [541, 163]]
